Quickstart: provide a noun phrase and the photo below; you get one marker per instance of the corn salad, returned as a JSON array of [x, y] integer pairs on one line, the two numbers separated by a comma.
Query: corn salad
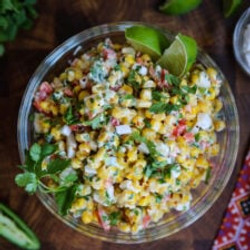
[[139, 138]]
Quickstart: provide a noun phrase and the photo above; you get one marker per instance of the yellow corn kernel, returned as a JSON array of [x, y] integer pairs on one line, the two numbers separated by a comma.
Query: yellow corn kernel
[[63, 108], [194, 78], [132, 154], [79, 204], [45, 126], [146, 94], [129, 59], [219, 125], [45, 106], [214, 149], [70, 75], [77, 89], [117, 46], [127, 103], [103, 137], [189, 164], [170, 120], [159, 117], [202, 162], [174, 100], [76, 163], [63, 76], [85, 148], [78, 75], [82, 95], [126, 89], [87, 217], [54, 110], [90, 205], [80, 155], [149, 133], [124, 227], [101, 153], [56, 133], [124, 69], [212, 94], [138, 121], [180, 159], [156, 125], [143, 104], [217, 105], [212, 73], [144, 201], [148, 114], [194, 152]]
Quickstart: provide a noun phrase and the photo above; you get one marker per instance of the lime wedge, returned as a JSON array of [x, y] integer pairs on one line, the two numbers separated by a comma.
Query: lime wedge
[[230, 6], [178, 7], [180, 56], [147, 40]]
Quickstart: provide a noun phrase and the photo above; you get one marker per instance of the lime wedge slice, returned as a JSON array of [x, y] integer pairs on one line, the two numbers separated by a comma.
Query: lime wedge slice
[[147, 40], [230, 6], [180, 56], [178, 7]]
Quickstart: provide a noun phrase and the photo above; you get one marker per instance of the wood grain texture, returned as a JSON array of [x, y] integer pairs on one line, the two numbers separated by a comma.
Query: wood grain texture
[[60, 19]]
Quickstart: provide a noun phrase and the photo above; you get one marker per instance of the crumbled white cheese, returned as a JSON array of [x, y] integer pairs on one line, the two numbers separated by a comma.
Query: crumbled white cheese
[[89, 171], [128, 185], [162, 148], [203, 81], [204, 121], [123, 129], [143, 71], [65, 130], [143, 148], [128, 50]]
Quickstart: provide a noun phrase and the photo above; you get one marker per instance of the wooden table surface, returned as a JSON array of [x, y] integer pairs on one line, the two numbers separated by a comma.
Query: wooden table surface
[[60, 19]]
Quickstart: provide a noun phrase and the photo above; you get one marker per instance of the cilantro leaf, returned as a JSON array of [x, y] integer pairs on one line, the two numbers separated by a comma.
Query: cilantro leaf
[[48, 149], [35, 152], [158, 198], [27, 180], [147, 123], [157, 95], [150, 145], [69, 116], [114, 218], [97, 122], [160, 107], [57, 165], [173, 80], [132, 80], [64, 199]]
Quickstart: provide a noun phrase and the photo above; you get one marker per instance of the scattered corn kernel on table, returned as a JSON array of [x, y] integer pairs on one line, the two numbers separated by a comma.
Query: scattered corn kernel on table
[[58, 20]]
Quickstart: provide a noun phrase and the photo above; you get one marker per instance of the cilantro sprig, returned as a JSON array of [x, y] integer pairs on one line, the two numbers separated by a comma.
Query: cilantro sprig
[[135, 136], [13, 16], [34, 172]]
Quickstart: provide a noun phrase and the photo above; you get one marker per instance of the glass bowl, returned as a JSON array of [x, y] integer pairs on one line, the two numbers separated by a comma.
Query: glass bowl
[[238, 39], [203, 197]]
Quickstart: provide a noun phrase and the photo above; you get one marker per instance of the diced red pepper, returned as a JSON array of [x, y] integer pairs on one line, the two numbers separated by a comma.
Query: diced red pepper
[[189, 137], [114, 122], [68, 92], [146, 220], [77, 127], [101, 214], [46, 87]]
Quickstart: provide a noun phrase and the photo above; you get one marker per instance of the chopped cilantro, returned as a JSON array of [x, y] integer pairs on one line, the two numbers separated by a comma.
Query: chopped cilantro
[[197, 137], [158, 198], [97, 122], [160, 107], [114, 218], [132, 79], [69, 116], [173, 80], [147, 123]]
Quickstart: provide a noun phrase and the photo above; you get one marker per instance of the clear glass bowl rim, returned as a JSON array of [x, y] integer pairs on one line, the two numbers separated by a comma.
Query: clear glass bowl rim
[[156, 232], [238, 37]]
